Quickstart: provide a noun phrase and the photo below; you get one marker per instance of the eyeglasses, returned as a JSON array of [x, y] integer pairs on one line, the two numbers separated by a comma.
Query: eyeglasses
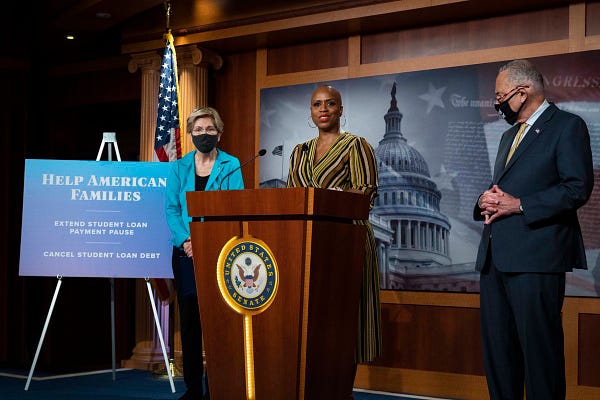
[[501, 98], [211, 130]]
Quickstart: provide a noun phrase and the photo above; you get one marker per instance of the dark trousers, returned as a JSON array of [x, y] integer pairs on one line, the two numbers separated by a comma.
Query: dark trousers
[[191, 330], [522, 334]]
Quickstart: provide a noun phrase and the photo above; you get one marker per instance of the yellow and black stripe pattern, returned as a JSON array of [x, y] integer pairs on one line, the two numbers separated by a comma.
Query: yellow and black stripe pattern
[[349, 163]]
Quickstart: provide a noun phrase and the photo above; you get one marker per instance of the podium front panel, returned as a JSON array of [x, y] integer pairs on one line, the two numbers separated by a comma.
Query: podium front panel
[[222, 329], [304, 341]]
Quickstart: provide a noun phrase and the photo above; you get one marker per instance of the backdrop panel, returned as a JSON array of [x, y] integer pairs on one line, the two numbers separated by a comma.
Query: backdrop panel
[[436, 135]]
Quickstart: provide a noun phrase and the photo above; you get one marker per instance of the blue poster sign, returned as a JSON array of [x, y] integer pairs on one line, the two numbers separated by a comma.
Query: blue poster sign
[[95, 219]]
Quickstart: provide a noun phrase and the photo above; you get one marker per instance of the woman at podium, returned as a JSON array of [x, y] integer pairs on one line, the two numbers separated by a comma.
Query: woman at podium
[[343, 161], [205, 168]]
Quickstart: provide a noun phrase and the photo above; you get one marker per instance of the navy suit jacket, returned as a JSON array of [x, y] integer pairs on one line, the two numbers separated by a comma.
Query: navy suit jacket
[[551, 172]]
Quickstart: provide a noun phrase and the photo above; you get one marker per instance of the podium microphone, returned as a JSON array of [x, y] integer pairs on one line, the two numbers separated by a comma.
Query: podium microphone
[[260, 153]]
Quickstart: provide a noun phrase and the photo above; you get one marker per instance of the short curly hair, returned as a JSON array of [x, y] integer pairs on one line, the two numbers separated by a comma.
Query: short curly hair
[[523, 72]]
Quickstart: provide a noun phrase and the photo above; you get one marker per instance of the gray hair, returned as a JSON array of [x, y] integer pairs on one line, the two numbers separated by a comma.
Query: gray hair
[[205, 112], [523, 72]]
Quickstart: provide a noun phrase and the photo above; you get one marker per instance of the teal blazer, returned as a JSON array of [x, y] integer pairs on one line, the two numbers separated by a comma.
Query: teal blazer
[[182, 179]]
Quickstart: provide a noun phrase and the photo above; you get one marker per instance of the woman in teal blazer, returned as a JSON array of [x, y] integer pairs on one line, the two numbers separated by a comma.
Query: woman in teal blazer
[[206, 168]]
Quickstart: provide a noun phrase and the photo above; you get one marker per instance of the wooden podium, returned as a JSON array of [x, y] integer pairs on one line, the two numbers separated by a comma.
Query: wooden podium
[[304, 342]]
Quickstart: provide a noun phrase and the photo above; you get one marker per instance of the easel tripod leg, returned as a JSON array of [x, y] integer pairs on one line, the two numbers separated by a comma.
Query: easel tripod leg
[[112, 329], [160, 335], [39, 347]]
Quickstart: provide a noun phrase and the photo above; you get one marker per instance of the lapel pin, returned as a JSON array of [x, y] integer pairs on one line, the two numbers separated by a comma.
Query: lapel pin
[[537, 131]]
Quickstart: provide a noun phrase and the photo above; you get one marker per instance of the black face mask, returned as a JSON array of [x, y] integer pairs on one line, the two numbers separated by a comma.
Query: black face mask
[[506, 112], [205, 142]]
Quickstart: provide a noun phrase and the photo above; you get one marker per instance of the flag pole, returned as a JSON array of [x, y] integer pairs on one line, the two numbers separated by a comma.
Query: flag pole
[[168, 13], [167, 146], [282, 165], [170, 42]]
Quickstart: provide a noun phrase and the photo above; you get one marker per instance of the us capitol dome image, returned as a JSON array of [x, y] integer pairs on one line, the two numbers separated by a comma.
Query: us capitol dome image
[[412, 234]]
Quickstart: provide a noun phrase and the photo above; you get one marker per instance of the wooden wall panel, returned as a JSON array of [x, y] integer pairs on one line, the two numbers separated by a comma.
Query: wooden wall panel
[[306, 57], [94, 82], [431, 338], [592, 18], [80, 138], [518, 29], [93, 99], [14, 125], [235, 99], [589, 351]]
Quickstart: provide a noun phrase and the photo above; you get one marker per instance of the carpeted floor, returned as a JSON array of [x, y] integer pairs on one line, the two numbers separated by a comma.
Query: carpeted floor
[[128, 385]]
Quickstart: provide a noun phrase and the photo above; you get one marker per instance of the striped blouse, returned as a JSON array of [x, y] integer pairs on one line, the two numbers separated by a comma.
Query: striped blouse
[[349, 163]]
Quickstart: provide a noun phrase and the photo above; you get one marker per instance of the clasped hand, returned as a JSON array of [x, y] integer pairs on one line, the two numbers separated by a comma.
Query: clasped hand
[[187, 248], [496, 203]]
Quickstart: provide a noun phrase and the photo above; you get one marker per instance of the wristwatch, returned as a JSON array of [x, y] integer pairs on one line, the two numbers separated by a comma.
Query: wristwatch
[[521, 208]]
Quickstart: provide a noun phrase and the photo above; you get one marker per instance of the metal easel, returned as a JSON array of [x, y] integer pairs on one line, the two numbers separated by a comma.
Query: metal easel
[[111, 139]]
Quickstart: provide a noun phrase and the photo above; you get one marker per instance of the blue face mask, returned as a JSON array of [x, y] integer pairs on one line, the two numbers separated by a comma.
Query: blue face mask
[[205, 142]]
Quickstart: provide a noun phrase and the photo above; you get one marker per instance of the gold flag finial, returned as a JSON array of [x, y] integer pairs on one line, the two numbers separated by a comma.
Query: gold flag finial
[[167, 4]]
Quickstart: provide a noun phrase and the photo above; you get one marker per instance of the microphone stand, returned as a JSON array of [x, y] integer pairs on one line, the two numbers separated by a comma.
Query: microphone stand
[[260, 153]]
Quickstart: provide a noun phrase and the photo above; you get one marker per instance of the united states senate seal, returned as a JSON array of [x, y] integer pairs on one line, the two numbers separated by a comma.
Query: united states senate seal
[[247, 275]]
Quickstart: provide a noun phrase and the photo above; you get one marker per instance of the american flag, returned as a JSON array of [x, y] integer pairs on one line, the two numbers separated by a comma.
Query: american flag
[[278, 150], [167, 141]]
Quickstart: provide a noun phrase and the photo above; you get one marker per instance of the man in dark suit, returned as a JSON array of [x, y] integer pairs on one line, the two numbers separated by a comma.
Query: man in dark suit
[[531, 237]]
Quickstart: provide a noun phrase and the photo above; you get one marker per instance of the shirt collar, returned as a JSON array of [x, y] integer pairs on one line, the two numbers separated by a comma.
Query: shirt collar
[[531, 120]]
